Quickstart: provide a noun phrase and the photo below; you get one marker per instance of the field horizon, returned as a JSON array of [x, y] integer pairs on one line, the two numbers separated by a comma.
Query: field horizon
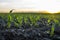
[[30, 13]]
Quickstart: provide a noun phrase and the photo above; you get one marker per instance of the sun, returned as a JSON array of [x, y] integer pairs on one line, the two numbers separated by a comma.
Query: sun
[[52, 12]]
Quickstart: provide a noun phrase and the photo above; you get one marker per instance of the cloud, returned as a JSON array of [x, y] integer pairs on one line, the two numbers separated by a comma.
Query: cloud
[[49, 5]]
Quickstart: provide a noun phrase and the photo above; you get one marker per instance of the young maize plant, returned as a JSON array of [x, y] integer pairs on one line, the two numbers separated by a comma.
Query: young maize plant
[[53, 27], [52, 31], [9, 21]]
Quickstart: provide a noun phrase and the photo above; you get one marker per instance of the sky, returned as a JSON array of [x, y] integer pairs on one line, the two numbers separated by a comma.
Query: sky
[[30, 5]]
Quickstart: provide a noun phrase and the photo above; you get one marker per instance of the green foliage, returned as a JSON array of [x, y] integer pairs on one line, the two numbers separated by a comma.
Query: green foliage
[[48, 21], [9, 21], [33, 18], [52, 30]]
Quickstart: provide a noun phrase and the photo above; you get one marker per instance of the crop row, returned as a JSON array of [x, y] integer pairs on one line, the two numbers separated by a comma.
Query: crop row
[[23, 27]]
